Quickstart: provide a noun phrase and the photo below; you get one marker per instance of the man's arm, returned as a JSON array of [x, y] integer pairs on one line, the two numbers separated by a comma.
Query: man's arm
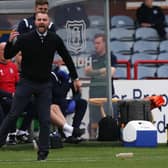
[[12, 46], [98, 72], [101, 72], [89, 71]]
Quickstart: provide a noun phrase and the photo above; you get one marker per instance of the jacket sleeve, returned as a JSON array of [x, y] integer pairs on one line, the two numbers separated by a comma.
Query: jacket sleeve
[[11, 49], [161, 18], [139, 15], [63, 52]]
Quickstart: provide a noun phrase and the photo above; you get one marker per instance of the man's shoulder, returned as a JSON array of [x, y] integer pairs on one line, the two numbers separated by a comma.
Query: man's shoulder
[[26, 24], [157, 8], [28, 19]]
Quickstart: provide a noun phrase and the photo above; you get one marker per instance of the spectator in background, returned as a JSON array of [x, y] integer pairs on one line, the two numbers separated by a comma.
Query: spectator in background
[[61, 85], [9, 77], [97, 73], [27, 24], [151, 16]]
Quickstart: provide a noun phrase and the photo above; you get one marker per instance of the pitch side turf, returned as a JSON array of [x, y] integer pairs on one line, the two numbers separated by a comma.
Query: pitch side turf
[[85, 155]]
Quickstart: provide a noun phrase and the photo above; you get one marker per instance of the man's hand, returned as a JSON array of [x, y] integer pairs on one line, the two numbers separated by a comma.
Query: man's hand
[[102, 71], [13, 35], [77, 85], [146, 25], [88, 70]]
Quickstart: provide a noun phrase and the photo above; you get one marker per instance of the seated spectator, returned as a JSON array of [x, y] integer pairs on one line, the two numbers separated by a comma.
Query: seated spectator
[[61, 86], [151, 16], [9, 77]]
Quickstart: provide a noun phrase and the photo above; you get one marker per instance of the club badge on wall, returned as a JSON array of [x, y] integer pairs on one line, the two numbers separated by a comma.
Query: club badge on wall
[[76, 35]]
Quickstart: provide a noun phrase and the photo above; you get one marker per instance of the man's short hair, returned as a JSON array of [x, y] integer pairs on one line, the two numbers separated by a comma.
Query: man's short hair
[[102, 35], [41, 2]]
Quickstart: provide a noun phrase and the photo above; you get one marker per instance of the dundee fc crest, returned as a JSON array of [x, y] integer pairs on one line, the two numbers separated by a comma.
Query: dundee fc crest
[[76, 35]]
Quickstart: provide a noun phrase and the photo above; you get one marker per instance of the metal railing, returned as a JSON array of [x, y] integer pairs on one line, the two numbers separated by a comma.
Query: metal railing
[[138, 62]]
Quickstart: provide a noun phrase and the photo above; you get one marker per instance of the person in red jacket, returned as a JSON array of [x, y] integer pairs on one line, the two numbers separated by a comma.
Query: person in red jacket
[[9, 77]]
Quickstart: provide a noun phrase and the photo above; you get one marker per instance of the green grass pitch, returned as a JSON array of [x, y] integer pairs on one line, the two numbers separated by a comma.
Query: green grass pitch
[[85, 155]]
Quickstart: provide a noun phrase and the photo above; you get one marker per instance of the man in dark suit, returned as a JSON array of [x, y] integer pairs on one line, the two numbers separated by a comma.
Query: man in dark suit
[[151, 16], [38, 48]]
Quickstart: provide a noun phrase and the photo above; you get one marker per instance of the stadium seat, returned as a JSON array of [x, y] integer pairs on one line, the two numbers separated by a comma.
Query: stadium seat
[[121, 47], [122, 50], [121, 72], [162, 71], [121, 34], [144, 33], [122, 56], [96, 21], [143, 56], [163, 56], [122, 21], [145, 72], [149, 47], [163, 46]]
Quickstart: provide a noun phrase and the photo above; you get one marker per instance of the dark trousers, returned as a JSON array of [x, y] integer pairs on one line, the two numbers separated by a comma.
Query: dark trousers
[[30, 114], [6, 103], [79, 112], [42, 93], [1, 114]]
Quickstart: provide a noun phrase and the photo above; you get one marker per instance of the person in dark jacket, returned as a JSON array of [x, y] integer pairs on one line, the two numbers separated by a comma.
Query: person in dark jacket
[[61, 86], [38, 48], [151, 16], [27, 24]]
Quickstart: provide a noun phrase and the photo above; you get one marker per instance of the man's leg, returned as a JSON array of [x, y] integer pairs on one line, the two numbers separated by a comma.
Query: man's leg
[[56, 116], [80, 110], [43, 108], [1, 114], [20, 100], [59, 120]]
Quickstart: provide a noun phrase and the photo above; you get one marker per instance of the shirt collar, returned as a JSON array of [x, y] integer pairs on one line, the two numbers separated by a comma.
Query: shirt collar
[[44, 34]]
